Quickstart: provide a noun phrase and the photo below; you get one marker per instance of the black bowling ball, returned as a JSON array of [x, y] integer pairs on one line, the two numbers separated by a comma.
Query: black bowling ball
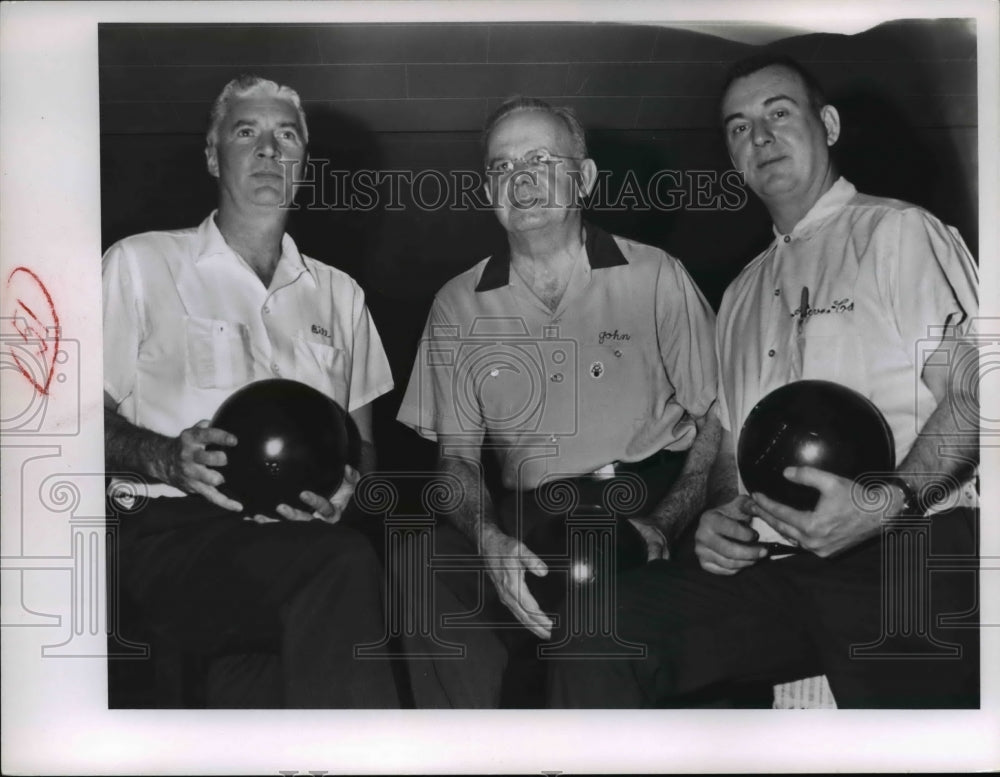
[[291, 438], [813, 423], [577, 556]]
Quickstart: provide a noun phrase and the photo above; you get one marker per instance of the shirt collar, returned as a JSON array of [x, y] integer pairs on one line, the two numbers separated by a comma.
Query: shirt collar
[[832, 201], [602, 252], [212, 243]]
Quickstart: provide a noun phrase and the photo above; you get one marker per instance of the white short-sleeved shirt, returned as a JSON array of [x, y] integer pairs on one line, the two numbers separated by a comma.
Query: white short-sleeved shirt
[[879, 278], [617, 372], [187, 322]]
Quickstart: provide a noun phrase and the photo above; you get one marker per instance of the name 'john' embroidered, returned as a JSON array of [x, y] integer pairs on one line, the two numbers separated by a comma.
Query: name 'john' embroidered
[[616, 336]]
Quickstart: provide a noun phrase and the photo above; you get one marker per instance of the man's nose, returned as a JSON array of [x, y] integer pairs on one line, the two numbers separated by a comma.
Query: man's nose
[[762, 133], [266, 147]]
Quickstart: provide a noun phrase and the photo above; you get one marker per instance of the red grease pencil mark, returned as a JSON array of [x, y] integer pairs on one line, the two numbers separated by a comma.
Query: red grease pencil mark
[[42, 335]]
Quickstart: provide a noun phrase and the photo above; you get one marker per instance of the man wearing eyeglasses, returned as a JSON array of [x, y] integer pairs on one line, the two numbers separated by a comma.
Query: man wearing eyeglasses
[[582, 360]]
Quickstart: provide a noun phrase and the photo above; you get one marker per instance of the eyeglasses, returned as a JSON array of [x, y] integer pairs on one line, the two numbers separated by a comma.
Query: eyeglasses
[[533, 160]]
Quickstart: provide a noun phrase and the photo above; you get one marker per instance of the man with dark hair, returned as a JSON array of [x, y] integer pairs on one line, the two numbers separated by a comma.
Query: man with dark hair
[[190, 316], [581, 360], [877, 295]]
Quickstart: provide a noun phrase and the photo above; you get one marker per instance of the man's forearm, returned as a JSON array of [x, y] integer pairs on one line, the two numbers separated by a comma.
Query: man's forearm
[[367, 458], [943, 455], [686, 498], [723, 478], [130, 448], [474, 515]]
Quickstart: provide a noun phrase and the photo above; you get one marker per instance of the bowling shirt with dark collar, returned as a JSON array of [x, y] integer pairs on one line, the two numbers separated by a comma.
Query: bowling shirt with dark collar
[[857, 293], [187, 322], [617, 372]]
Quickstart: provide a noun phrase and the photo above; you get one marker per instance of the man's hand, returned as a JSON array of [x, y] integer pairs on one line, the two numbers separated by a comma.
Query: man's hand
[[507, 560], [190, 466], [721, 542], [834, 525], [656, 542], [329, 510]]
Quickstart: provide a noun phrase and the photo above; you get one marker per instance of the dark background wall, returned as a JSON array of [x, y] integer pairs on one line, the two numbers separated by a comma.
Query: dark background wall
[[414, 97]]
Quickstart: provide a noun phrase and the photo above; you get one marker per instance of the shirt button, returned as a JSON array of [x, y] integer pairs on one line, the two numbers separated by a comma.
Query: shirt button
[[788, 238], [556, 377], [618, 354], [552, 438], [777, 292], [275, 369], [771, 352], [267, 309]]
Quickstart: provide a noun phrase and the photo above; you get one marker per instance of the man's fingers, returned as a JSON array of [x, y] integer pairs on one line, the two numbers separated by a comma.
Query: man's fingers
[[290, 513], [209, 458], [209, 435], [769, 508], [740, 553], [216, 497], [199, 473], [656, 543], [539, 630], [719, 525], [261, 519], [810, 476], [734, 560], [783, 520], [532, 563], [527, 611], [318, 503], [715, 569]]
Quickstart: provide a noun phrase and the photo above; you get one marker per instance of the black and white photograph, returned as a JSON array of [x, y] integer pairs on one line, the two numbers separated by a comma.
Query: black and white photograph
[[399, 387]]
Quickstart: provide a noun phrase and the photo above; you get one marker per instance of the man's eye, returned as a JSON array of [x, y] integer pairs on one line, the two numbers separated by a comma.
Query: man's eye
[[538, 158], [780, 113], [244, 132], [502, 166], [737, 129]]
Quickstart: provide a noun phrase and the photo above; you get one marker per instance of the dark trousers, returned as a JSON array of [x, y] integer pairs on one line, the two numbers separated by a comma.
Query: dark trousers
[[465, 608], [886, 635], [212, 584]]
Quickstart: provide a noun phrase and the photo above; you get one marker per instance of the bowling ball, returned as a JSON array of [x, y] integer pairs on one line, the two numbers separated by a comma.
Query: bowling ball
[[290, 438], [813, 423], [577, 556]]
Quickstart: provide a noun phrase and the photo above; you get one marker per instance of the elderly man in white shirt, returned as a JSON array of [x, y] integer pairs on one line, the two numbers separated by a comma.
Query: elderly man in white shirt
[[190, 316]]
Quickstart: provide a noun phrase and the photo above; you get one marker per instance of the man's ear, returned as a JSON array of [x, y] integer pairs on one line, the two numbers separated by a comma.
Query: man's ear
[[831, 120], [588, 176], [212, 161]]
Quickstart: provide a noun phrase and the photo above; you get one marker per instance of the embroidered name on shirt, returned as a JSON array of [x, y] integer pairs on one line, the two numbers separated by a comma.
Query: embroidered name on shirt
[[319, 330], [618, 338], [807, 311]]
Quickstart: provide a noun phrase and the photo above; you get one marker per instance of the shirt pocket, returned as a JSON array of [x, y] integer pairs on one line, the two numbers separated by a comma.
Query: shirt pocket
[[323, 367], [218, 353]]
